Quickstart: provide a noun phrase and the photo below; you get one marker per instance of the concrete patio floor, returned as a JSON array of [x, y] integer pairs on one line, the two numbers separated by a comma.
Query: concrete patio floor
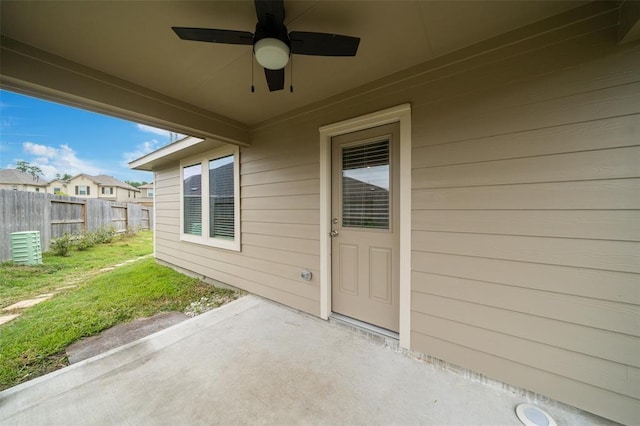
[[256, 362]]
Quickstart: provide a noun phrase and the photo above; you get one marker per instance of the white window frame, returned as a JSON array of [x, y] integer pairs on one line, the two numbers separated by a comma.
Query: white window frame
[[203, 160]]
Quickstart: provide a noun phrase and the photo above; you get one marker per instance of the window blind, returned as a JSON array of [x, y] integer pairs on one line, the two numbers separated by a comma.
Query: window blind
[[221, 198], [192, 192], [365, 186]]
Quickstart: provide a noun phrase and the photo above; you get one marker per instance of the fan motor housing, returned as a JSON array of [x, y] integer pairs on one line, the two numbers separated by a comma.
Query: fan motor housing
[[279, 32]]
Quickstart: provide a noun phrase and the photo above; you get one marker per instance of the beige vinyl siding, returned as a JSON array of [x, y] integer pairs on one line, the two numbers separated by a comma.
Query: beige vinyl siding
[[167, 202], [526, 209], [526, 225], [279, 214], [591, 224], [23, 187]]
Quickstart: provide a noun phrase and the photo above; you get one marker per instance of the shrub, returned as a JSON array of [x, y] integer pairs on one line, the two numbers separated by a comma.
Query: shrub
[[130, 232], [105, 235], [86, 241], [61, 245]]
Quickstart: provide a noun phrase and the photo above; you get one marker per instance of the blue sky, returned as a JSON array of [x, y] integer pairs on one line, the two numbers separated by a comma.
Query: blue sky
[[62, 139]]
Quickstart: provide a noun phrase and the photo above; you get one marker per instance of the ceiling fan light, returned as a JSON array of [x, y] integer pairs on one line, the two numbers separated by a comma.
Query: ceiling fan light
[[271, 53]]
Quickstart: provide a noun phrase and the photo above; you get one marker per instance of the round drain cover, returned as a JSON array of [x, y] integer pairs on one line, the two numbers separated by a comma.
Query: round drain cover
[[531, 415]]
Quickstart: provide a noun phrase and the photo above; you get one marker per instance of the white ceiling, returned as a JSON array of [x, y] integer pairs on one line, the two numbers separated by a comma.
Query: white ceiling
[[133, 41]]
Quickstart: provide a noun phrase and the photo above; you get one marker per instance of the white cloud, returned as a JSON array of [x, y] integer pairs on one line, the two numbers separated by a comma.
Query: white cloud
[[63, 159], [154, 130], [141, 149], [41, 150], [49, 172], [7, 122], [159, 132]]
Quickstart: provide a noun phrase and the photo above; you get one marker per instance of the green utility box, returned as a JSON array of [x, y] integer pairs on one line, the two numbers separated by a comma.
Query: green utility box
[[26, 248]]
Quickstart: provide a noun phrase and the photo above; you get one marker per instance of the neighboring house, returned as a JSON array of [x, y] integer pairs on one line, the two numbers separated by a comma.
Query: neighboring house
[[102, 186], [479, 200], [111, 188], [146, 195], [58, 186], [21, 181]]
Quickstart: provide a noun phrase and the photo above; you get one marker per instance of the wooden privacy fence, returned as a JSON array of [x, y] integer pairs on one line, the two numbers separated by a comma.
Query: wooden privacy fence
[[55, 215]]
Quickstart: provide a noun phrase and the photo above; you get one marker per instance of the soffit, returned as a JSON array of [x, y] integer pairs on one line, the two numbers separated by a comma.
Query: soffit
[[133, 41]]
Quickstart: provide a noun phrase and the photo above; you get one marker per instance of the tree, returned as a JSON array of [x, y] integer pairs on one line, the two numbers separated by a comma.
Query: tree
[[136, 184], [65, 176], [35, 171], [25, 167]]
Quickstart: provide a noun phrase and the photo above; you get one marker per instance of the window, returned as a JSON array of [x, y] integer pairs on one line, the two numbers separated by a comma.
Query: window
[[365, 186], [221, 202], [192, 199], [82, 190], [57, 190], [211, 199], [149, 192], [107, 190], [37, 189]]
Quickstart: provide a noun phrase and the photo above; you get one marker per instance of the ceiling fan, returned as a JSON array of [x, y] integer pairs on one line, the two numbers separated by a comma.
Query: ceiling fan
[[272, 43]]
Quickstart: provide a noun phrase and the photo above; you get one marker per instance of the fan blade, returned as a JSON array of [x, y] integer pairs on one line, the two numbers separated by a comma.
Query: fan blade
[[323, 44], [275, 79], [270, 12], [214, 36]]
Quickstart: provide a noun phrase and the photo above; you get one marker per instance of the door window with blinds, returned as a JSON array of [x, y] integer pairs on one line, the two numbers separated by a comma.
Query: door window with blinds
[[210, 204], [365, 185]]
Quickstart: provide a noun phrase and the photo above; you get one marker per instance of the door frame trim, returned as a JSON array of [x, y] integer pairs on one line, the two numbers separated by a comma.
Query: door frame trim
[[402, 115]]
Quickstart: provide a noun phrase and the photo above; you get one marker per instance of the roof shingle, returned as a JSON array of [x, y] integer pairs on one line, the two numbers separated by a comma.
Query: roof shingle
[[13, 176]]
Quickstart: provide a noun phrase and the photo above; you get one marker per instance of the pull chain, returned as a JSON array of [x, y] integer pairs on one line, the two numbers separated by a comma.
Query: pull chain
[[291, 71], [253, 89]]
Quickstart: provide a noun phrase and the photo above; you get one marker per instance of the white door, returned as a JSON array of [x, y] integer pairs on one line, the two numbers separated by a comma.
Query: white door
[[365, 260]]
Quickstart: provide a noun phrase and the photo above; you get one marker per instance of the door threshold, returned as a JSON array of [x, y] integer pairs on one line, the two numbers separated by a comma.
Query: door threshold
[[372, 332]]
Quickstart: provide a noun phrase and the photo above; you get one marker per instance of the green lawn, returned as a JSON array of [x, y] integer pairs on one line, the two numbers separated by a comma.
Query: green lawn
[[34, 343], [23, 282]]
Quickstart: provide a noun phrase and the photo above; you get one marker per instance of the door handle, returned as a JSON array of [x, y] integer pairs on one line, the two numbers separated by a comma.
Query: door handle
[[333, 233]]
